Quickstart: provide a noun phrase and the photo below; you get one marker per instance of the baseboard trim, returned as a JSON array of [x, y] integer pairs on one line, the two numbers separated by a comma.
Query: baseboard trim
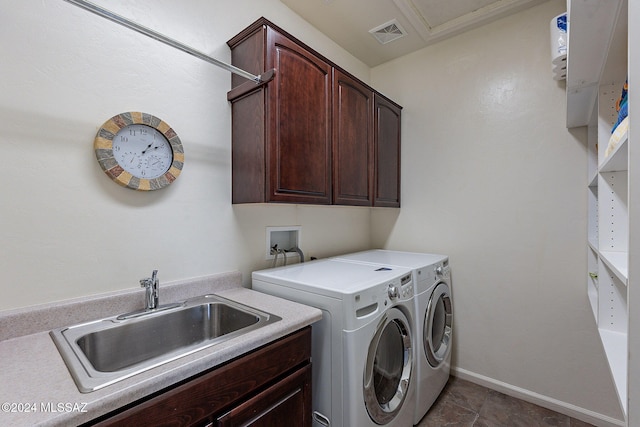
[[573, 411]]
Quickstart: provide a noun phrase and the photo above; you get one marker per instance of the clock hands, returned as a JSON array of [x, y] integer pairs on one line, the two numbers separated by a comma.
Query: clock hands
[[149, 146], [146, 155]]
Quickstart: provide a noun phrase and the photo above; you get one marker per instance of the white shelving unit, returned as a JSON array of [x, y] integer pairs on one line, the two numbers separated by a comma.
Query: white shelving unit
[[589, 47], [597, 67]]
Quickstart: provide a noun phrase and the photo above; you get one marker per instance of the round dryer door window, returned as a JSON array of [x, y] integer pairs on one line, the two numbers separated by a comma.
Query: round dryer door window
[[437, 325], [388, 369]]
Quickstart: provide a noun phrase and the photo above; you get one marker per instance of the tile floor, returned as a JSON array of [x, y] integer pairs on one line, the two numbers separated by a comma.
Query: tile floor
[[465, 404]]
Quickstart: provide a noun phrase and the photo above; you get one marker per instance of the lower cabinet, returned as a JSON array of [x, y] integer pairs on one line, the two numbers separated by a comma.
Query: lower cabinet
[[270, 386], [283, 404]]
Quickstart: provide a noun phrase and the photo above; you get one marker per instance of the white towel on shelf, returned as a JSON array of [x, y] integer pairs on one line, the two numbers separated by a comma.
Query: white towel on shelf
[[616, 136]]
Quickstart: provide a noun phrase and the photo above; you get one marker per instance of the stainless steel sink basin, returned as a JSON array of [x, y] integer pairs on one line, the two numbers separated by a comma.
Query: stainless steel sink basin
[[105, 351]]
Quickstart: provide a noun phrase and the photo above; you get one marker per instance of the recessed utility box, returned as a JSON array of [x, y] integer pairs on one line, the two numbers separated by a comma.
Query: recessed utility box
[[285, 238]]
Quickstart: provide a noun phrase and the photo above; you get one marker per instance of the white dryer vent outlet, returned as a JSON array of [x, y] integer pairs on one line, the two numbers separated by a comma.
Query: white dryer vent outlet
[[388, 32]]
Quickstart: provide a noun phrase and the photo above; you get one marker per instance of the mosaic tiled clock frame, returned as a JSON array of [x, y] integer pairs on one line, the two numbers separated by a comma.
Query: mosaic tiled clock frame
[[103, 146]]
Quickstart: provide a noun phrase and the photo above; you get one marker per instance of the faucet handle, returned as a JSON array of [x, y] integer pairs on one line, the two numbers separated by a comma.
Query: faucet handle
[[148, 282], [152, 290]]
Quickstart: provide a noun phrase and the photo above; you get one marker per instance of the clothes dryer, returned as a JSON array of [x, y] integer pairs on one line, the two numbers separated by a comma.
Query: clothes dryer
[[434, 316], [362, 349]]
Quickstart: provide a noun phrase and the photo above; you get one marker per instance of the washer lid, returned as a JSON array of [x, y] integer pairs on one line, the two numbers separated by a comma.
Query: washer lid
[[331, 277], [402, 259]]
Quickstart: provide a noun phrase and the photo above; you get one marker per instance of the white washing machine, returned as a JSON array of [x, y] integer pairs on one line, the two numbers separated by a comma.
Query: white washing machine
[[434, 316], [362, 349]]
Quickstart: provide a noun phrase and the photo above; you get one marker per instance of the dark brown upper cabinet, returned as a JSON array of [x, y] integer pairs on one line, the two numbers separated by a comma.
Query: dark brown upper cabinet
[[314, 133], [353, 151], [387, 153]]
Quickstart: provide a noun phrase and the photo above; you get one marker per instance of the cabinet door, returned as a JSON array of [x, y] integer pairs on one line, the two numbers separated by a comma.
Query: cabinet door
[[202, 399], [352, 141], [387, 153], [286, 403], [248, 164], [299, 124]]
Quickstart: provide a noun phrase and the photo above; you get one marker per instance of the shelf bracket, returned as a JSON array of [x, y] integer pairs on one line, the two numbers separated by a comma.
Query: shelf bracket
[[258, 79]]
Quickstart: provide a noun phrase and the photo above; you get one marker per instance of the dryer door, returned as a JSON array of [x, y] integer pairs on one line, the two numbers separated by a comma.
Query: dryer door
[[437, 325], [389, 367]]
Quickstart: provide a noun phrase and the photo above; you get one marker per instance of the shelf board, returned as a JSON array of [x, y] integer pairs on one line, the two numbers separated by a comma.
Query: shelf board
[[618, 262], [591, 30], [592, 293], [615, 346], [580, 103], [618, 160]]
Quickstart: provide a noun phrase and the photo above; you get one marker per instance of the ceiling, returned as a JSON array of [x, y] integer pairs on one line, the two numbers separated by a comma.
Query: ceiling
[[350, 22]]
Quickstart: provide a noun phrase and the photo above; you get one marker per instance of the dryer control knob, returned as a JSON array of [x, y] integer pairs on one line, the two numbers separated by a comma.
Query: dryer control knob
[[443, 271], [393, 292]]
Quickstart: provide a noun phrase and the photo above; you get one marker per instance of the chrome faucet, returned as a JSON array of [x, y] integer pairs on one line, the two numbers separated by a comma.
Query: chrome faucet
[[151, 286], [152, 291]]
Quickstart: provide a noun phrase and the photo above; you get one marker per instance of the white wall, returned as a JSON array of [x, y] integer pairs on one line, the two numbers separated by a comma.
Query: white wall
[[492, 177], [66, 230]]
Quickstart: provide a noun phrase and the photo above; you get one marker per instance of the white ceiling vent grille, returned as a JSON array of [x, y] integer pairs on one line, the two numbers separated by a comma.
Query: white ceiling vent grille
[[388, 32]]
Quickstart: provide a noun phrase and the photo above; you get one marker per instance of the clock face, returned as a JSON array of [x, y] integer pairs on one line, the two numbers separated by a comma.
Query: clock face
[[139, 151], [142, 151]]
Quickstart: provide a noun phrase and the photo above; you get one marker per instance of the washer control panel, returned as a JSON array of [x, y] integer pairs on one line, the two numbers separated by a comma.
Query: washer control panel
[[442, 270], [404, 290], [362, 305]]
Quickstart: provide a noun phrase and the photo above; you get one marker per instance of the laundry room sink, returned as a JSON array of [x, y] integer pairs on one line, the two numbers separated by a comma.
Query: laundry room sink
[[105, 351]]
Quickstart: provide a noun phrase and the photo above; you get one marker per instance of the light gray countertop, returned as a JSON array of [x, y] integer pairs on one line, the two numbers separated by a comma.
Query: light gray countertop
[[36, 387]]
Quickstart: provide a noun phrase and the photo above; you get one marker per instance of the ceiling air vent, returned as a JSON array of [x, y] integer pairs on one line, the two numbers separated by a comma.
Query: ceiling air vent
[[388, 32]]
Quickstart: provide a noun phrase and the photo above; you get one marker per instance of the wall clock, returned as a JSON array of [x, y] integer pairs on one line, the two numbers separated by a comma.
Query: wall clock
[[139, 151]]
